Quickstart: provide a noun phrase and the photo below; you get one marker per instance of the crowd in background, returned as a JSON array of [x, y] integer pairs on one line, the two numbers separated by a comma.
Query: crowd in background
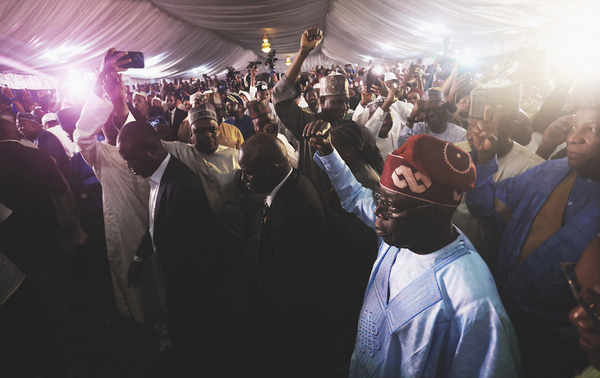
[[92, 175]]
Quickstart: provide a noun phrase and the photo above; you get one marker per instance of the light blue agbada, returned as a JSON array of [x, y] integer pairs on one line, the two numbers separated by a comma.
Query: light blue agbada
[[447, 321]]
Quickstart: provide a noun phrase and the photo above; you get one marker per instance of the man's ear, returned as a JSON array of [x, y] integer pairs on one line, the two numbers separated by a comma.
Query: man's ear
[[151, 149], [273, 169]]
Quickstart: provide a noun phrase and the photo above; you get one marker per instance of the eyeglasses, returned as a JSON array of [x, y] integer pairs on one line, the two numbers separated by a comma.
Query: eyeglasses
[[589, 307], [391, 210]]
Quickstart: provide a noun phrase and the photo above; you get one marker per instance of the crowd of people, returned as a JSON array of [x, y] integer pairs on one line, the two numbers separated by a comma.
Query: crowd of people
[[411, 223]]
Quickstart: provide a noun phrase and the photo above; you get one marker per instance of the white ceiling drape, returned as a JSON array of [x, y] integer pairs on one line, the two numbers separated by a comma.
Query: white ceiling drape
[[182, 38]]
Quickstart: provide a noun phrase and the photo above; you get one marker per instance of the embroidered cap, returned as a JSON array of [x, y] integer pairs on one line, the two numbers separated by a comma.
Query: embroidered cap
[[49, 117], [203, 110], [429, 169], [235, 98], [498, 92], [262, 86], [28, 117], [333, 85], [436, 95], [157, 121], [258, 109]]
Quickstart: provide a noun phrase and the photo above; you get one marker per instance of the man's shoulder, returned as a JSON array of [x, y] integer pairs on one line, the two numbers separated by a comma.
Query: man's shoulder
[[467, 280], [455, 129], [523, 153], [46, 135], [298, 191], [180, 174], [226, 151]]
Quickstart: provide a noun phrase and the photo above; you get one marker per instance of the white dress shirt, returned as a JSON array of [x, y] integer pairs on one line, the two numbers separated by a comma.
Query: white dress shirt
[[271, 196], [154, 186]]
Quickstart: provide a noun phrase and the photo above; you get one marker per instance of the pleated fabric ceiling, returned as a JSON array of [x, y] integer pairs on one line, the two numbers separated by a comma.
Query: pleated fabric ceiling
[[190, 37]]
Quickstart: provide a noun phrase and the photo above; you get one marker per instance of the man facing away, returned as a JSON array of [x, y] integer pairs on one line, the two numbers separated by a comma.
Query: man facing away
[[431, 306]]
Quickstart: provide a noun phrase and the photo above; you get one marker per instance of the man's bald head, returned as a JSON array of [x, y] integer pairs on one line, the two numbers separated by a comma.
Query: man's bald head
[[141, 148], [264, 162], [8, 130]]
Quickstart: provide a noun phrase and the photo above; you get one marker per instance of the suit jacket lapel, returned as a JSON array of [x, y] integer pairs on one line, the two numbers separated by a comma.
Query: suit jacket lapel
[[288, 184], [163, 183]]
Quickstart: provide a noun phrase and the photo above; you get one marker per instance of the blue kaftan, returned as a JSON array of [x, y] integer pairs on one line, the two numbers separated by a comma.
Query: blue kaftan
[[446, 322], [537, 285]]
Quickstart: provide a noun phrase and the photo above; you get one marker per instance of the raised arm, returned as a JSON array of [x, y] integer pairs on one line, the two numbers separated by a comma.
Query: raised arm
[[353, 196], [310, 39]]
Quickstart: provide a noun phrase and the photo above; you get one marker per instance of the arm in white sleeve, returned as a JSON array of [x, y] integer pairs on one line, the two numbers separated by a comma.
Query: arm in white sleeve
[[361, 115], [252, 92], [374, 124], [94, 115], [354, 197]]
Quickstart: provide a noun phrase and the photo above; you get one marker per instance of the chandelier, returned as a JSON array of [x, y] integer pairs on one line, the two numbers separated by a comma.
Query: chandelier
[[288, 61], [266, 46]]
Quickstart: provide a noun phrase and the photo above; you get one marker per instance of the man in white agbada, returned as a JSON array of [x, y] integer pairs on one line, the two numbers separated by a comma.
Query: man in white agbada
[[384, 132], [218, 168], [430, 117], [400, 110], [124, 197], [431, 308]]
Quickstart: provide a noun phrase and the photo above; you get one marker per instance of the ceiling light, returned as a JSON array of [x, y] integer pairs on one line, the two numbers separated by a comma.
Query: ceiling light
[[266, 46], [288, 61]]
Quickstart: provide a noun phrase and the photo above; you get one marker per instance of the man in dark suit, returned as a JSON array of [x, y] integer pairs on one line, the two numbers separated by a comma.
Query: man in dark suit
[[174, 115], [31, 128], [184, 233], [292, 259]]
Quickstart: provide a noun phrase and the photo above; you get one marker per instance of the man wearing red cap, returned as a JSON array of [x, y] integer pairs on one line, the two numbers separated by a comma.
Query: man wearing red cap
[[431, 307]]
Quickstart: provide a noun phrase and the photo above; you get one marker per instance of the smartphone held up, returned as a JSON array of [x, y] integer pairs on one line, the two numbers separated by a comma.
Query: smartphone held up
[[137, 59]]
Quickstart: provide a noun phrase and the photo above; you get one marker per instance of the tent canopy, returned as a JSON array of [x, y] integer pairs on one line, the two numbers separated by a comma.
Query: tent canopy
[[186, 38]]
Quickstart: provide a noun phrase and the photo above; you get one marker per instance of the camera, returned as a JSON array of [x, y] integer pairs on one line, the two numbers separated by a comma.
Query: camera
[[271, 60], [252, 65]]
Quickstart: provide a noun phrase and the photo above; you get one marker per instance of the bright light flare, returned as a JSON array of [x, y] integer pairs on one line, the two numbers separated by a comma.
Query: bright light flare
[[378, 70], [570, 46]]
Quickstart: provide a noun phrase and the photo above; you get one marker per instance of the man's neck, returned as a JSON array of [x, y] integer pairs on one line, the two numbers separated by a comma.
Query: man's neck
[[504, 146], [438, 129], [441, 240]]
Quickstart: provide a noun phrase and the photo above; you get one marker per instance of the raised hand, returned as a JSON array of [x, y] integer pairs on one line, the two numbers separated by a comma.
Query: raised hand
[[485, 135], [115, 87], [365, 97], [311, 39], [111, 61], [318, 136], [557, 132]]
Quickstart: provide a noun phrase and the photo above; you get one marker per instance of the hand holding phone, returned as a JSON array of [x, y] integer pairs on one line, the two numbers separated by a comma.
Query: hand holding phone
[[136, 59]]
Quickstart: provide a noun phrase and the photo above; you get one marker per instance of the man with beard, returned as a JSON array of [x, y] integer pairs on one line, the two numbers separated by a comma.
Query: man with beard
[[312, 99], [430, 118]]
